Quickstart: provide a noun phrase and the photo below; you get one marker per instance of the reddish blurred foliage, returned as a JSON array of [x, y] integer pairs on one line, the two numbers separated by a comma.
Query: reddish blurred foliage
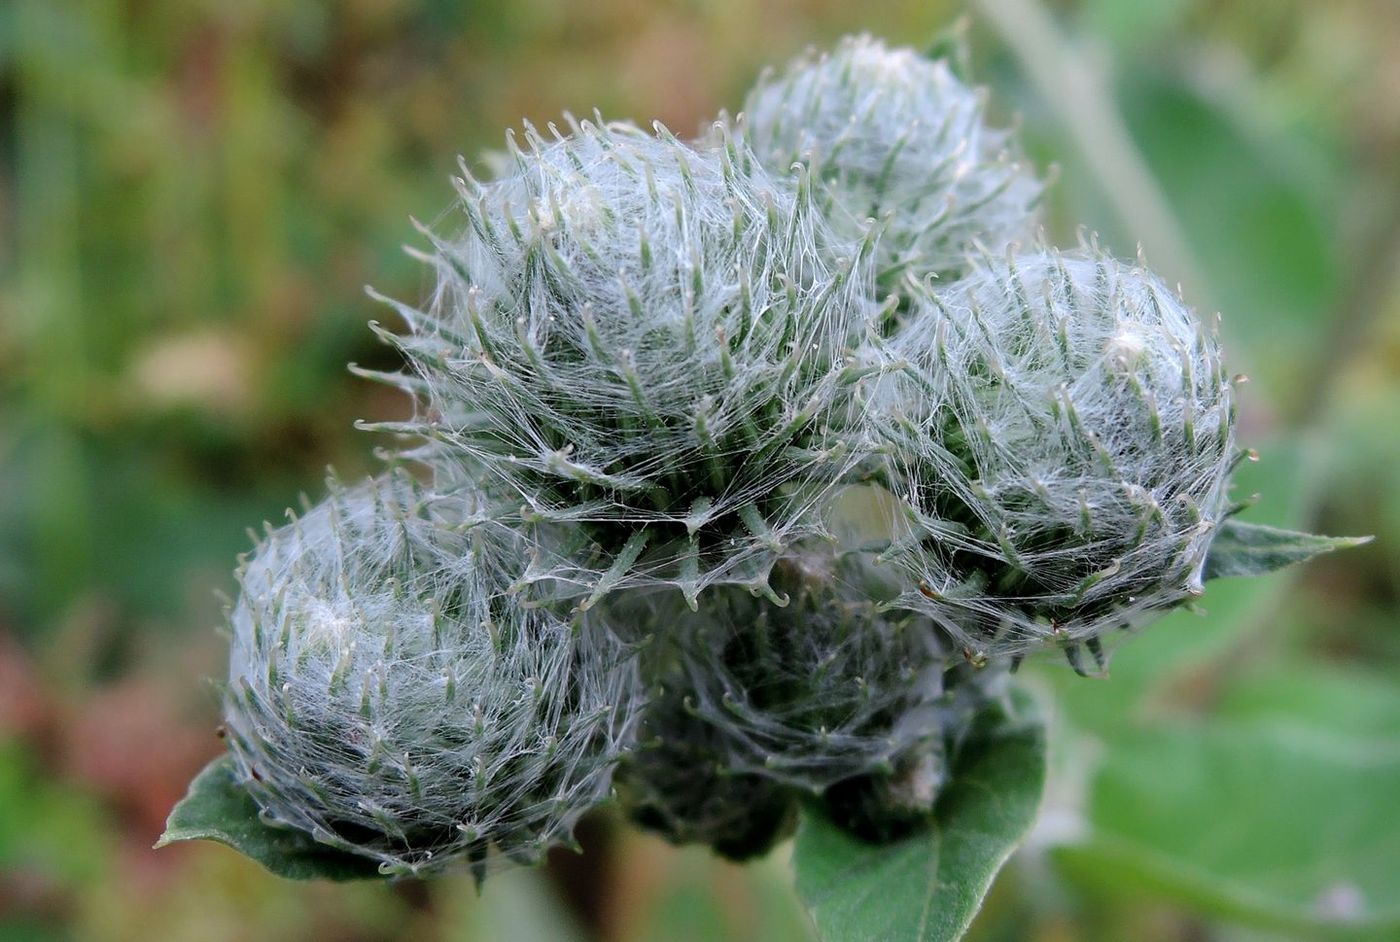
[[132, 743], [24, 710]]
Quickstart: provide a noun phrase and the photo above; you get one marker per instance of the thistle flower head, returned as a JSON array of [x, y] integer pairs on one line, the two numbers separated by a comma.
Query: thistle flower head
[[646, 339], [828, 695], [889, 132], [887, 805], [678, 784], [822, 689], [386, 698], [1063, 433]]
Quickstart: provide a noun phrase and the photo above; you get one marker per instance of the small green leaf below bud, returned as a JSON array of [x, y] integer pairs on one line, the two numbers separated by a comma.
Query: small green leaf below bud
[[217, 808], [1252, 549]]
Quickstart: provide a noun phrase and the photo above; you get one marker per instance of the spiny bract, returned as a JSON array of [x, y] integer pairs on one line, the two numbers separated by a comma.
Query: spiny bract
[[1062, 430], [386, 698], [890, 132], [646, 342]]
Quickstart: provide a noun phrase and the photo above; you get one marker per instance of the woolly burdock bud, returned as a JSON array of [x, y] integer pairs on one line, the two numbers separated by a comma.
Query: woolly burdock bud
[[820, 690], [648, 339], [677, 784], [386, 697], [1063, 433], [884, 807], [896, 137]]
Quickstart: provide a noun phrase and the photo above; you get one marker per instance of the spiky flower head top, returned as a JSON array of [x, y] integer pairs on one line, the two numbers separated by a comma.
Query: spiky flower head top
[[387, 698], [891, 133], [1063, 433], [678, 784], [647, 339]]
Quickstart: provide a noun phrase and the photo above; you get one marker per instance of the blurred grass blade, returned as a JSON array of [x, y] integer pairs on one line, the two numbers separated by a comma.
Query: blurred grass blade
[[218, 809], [1251, 549], [1079, 94], [930, 885]]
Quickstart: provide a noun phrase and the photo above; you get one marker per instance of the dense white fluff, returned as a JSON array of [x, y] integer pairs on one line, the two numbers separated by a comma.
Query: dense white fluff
[[1063, 433], [889, 132], [647, 340], [388, 698]]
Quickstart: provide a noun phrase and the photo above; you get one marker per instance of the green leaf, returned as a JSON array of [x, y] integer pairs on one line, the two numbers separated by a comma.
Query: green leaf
[[928, 886], [1251, 549], [217, 808], [1306, 692], [1277, 824]]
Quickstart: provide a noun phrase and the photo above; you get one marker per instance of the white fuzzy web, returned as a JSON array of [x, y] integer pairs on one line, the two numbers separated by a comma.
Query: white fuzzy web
[[821, 690], [818, 691]]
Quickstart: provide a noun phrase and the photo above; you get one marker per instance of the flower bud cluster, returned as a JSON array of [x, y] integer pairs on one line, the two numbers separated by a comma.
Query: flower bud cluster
[[648, 376]]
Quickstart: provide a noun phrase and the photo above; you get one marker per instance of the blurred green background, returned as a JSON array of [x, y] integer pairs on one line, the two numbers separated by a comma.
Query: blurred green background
[[194, 192]]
